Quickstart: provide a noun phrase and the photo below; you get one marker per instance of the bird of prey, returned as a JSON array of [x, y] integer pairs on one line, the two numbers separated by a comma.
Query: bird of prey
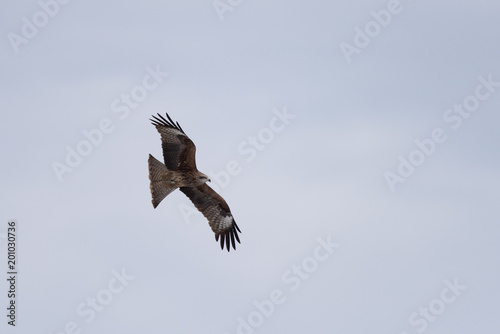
[[179, 171]]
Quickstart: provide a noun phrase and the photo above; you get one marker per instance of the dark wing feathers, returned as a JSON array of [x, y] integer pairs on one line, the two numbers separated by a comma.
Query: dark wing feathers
[[179, 154], [216, 210], [178, 150], [170, 123]]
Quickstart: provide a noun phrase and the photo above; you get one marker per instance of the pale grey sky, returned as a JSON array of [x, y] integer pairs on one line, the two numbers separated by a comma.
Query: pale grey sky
[[356, 144]]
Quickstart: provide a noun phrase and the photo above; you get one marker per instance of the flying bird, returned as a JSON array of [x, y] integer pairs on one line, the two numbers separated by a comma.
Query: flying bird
[[179, 171]]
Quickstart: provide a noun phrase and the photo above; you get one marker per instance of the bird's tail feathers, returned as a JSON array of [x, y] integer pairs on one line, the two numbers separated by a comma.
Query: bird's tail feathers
[[159, 188]]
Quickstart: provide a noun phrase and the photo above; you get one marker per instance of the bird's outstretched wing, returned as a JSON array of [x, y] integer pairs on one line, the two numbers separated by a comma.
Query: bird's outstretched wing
[[178, 150], [216, 210]]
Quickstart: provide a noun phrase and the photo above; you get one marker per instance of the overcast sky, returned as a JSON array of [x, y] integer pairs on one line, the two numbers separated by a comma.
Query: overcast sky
[[357, 146]]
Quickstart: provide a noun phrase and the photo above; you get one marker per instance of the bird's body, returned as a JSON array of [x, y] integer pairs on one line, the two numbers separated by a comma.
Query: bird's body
[[179, 171]]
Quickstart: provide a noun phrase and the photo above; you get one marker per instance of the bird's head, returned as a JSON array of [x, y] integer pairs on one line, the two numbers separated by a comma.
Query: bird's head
[[202, 178]]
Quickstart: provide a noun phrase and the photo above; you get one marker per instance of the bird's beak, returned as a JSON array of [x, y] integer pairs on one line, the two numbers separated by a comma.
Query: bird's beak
[[209, 180]]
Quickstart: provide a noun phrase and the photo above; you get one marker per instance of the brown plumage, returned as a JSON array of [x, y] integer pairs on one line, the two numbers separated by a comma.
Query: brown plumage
[[179, 171]]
